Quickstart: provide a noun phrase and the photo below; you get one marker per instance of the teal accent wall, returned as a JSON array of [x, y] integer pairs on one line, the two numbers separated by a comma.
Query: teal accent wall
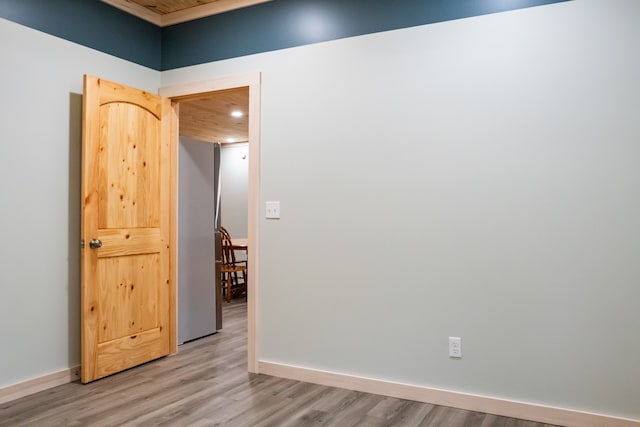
[[265, 27], [288, 23], [90, 23]]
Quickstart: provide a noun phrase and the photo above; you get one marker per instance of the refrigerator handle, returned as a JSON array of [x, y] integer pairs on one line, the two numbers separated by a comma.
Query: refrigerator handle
[[217, 186]]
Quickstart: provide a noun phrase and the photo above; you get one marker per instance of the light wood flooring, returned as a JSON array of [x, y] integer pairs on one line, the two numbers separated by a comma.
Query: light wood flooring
[[207, 384]]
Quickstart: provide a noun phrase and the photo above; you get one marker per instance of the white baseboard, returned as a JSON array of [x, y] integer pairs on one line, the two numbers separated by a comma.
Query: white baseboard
[[490, 405], [35, 385]]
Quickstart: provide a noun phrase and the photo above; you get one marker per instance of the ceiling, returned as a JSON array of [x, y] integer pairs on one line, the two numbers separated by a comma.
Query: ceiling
[[208, 118], [170, 12]]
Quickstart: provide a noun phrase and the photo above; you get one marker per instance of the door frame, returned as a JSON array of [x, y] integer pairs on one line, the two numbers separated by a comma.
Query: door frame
[[192, 90]]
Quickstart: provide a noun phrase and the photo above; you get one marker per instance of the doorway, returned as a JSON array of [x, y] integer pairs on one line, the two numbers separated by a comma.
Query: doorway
[[193, 91]]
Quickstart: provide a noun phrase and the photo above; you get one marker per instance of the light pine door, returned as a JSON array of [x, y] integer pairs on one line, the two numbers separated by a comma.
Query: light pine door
[[128, 292]]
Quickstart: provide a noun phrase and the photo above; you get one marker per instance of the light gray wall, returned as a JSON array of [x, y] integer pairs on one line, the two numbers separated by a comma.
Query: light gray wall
[[40, 112], [476, 178], [234, 175]]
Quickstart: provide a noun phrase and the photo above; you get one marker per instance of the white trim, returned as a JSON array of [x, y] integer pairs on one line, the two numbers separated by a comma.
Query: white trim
[[35, 385], [471, 402], [197, 89]]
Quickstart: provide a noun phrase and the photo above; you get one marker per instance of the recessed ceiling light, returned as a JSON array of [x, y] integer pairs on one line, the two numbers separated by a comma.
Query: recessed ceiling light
[[231, 140], [236, 113]]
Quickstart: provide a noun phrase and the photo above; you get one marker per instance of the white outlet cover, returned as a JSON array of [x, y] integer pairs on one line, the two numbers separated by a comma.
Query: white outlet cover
[[455, 347], [272, 210]]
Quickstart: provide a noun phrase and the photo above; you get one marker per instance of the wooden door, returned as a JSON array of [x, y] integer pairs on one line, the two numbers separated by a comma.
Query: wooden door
[[128, 290]]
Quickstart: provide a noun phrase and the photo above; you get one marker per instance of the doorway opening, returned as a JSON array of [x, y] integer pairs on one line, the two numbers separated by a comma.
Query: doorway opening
[[194, 92]]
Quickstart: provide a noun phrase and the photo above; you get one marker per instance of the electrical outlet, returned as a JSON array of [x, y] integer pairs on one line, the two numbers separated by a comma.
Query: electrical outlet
[[455, 347]]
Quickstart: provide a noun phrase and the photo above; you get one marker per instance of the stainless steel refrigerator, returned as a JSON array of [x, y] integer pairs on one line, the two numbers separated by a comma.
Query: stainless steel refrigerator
[[199, 304]]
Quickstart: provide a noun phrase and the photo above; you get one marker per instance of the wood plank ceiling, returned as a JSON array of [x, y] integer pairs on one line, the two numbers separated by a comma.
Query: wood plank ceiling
[[209, 118], [170, 12], [169, 6]]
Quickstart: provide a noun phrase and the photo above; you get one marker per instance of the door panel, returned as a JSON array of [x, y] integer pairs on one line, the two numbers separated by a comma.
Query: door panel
[[130, 166], [127, 287], [129, 304]]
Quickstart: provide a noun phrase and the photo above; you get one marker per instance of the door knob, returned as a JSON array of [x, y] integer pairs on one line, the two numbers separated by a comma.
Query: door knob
[[95, 243]]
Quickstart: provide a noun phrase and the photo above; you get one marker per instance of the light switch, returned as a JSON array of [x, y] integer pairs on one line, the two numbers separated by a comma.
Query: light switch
[[273, 210]]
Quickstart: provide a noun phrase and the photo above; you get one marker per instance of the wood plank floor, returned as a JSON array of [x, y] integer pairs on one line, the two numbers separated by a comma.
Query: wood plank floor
[[206, 384]]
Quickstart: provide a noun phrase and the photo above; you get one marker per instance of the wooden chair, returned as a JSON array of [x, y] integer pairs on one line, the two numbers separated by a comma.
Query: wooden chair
[[234, 272]]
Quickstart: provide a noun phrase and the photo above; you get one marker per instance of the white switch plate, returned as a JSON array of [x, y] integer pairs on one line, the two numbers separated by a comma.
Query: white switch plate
[[455, 347], [273, 210]]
